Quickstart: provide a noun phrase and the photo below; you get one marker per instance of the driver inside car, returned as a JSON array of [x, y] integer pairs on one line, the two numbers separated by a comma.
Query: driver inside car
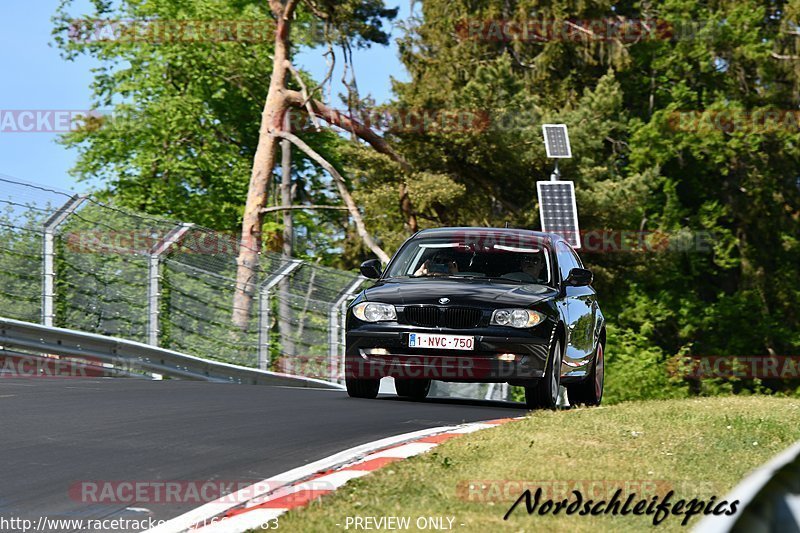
[[531, 269], [441, 264], [532, 264]]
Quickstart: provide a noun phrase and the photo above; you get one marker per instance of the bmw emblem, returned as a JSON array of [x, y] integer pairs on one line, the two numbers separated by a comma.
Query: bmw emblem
[[444, 301]]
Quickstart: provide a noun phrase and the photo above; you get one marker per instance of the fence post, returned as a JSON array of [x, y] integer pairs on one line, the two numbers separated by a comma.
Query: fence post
[[336, 328], [263, 309], [154, 279], [48, 256]]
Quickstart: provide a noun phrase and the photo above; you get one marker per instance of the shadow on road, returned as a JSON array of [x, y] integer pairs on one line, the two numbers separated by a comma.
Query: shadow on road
[[460, 401]]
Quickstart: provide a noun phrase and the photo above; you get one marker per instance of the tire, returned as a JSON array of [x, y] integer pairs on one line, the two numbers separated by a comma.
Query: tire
[[590, 391], [362, 388], [544, 395], [416, 389]]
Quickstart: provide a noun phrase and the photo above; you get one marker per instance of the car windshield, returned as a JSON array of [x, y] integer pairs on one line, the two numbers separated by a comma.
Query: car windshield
[[525, 260]]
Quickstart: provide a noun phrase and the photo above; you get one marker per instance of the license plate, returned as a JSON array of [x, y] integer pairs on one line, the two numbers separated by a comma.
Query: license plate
[[441, 342]]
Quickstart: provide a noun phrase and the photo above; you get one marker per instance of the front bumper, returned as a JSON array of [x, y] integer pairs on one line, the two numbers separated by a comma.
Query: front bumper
[[500, 356]]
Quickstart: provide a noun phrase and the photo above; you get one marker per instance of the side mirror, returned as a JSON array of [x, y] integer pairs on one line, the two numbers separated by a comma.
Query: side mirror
[[579, 277], [371, 269]]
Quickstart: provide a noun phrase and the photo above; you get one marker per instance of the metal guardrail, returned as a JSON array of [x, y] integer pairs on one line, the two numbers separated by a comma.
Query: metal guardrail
[[75, 262], [39, 339], [769, 499]]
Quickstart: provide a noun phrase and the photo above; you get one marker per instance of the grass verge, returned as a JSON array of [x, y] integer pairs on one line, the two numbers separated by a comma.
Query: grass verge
[[697, 447]]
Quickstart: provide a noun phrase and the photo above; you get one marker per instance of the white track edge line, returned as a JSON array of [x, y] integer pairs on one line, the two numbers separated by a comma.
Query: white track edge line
[[213, 509]]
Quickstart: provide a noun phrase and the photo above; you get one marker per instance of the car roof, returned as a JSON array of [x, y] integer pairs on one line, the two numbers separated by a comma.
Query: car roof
[[548, 238]]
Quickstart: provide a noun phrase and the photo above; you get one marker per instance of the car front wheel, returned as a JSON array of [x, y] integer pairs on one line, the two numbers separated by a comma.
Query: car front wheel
[[416, 389], [362, 388], [590, 391], [544, 395]]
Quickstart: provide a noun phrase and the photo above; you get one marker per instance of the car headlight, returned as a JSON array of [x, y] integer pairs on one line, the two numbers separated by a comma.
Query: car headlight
[[374, 312], [516, 318]]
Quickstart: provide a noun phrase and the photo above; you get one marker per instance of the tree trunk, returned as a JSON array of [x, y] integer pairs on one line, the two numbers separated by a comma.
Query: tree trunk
[[279, 98], [272, 119]]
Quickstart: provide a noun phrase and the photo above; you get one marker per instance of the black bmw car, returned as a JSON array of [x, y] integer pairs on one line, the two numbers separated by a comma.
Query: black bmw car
[[479, 305]]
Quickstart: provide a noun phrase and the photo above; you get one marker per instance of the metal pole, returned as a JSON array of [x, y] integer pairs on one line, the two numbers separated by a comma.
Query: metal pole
[[263, 309], [286, 190], [154, 279], [333, 339], [343, 334], [263, 330], [335, 328], [48, 256], [284, 308], [556, 175], [489, 391]]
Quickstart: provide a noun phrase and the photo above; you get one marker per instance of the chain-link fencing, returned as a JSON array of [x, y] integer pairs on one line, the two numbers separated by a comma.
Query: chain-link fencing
[[71, 261]]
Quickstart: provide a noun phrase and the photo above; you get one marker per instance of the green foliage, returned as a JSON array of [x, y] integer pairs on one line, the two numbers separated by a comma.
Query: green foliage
[[184, 115], [180, 117], [21, 262]]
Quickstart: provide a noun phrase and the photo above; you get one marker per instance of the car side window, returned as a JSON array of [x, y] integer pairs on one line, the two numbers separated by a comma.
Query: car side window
[[566, 259]]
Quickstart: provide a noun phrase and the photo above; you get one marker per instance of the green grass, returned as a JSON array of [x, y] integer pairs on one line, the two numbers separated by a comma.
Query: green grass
[[697, 447]]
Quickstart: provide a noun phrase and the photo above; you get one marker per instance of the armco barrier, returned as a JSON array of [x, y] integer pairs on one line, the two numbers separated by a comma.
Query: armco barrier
[[38, 339], [769, 499]]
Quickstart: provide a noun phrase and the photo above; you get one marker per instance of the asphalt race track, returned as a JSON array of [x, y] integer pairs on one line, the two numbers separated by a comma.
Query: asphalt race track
[[57, 433]]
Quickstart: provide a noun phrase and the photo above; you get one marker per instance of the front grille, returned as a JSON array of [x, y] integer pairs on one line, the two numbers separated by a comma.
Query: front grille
[[423, 316], [462, 317], [445, 317]]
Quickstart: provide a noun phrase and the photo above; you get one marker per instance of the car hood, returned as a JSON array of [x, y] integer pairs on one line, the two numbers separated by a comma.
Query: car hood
[[474, 293]]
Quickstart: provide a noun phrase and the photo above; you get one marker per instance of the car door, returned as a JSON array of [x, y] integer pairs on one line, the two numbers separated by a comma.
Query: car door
[[580, 305]]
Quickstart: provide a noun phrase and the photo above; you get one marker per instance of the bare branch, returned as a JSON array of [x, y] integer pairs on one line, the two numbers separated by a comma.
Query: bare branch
[[783, 57], [336, 118], [316, 10], [341, 185], [299, 207], [304, 91], [516, 58], [329, 74], [288, 11], [276, 6], [582, 29]]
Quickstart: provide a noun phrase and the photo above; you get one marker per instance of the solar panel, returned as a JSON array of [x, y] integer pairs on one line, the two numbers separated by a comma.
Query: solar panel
[[558, 210], [556, 140]]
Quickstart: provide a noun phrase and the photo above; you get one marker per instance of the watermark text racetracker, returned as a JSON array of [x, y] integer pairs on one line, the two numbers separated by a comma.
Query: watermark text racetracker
[[149, 492], [698, 367], [600, 241], [443, 367], [46, 120], [162, 31], [142, 241], [48, 524], [616, 28], [52, 524], [19, 365], [744, 121]]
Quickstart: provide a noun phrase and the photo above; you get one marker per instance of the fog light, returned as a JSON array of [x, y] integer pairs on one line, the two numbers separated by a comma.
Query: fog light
[[507, 356]]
